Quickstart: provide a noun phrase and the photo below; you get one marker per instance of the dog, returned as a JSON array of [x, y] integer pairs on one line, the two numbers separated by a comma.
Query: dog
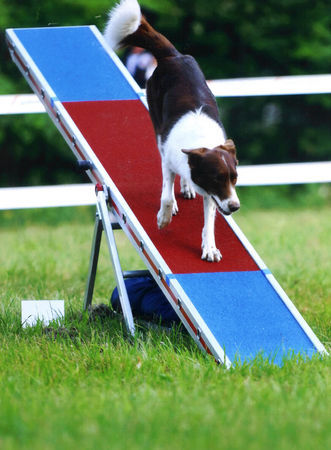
[[190, 136]]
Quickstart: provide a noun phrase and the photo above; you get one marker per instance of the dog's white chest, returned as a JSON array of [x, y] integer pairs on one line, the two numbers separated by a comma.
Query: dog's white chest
[[193, 130]]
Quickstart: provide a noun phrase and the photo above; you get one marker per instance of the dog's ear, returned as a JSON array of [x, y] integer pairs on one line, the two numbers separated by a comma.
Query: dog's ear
[[195, 152], [229, 146], [194, 156]]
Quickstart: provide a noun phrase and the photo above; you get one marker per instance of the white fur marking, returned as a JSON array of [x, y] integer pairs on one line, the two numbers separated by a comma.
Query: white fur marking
[[209, 250], [124, 19], [233, 196], [224, 204], [168, 206], [193, 130]]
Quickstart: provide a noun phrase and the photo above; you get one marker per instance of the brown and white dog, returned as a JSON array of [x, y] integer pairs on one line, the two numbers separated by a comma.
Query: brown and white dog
[[190, 135]]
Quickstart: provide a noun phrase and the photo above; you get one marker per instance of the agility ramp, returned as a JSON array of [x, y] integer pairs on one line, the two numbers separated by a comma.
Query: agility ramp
[[234, 309]]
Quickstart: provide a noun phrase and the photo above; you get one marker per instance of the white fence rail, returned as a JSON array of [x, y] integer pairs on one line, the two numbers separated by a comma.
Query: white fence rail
[[289, 85], [292, 173], [20, 104], [47, 196], [257, 175], [83, 194], [236, 87]]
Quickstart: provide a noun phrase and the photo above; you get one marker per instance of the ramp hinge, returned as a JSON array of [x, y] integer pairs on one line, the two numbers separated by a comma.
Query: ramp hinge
[[84, 165], [103, 188]]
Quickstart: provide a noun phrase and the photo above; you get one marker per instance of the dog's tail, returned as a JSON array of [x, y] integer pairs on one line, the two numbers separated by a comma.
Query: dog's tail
[[127, 26]]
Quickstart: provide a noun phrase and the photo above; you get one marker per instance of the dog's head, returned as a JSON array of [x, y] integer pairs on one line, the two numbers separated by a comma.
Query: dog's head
[[214, 172]]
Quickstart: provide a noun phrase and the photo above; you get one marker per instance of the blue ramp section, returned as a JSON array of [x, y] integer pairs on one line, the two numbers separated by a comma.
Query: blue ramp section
[[75, 64], [246, 315]]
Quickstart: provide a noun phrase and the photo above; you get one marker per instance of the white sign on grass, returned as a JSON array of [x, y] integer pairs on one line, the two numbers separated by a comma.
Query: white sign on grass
[[42, 310]]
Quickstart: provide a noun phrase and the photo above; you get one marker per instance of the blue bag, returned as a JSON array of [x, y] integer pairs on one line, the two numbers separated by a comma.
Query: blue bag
[[147, 301]]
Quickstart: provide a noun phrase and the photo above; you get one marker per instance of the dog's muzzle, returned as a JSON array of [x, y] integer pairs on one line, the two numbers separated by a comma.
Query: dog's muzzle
[[232, 206]]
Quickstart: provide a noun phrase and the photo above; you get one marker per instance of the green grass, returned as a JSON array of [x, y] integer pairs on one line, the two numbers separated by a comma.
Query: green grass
[[91, 388]]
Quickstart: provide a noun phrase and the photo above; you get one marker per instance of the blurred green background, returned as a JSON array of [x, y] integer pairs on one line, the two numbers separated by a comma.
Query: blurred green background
[[229, 38]]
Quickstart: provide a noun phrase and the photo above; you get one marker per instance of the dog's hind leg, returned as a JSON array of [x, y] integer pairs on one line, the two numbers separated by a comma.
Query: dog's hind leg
[[168, 202], [209, 250], [186, 188]]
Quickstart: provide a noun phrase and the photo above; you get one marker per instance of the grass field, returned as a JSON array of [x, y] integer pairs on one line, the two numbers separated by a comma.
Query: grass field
[[84, 386]]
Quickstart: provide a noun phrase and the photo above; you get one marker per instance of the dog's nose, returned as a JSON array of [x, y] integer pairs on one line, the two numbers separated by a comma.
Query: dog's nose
[[233, 206]]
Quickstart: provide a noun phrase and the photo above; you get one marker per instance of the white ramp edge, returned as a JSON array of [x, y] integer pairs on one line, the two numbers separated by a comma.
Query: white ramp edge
[[84, 193]]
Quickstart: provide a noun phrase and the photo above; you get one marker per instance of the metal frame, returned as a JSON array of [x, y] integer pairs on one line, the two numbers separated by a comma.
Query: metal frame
[[94, 258], [124, 215], [103, 223]]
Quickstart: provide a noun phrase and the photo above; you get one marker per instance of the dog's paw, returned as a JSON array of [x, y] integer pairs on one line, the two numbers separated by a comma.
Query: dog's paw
[[164, 216], [211, 253], [186, 188]]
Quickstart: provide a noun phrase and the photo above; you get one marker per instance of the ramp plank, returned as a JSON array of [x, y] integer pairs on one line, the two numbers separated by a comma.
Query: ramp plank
[[122, 137], [245, 314], [232, 305], [75, 64]]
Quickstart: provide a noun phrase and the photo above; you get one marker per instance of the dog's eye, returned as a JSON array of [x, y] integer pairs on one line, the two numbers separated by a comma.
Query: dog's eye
[[233, 178]]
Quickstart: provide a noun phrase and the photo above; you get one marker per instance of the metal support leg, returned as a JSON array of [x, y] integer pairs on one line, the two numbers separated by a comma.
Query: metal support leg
[[107, 227], [93, 262]]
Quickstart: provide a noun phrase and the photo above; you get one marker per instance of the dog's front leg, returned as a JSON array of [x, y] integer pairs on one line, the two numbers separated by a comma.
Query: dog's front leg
[[168, 202], [186, 188], [209, 250]]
